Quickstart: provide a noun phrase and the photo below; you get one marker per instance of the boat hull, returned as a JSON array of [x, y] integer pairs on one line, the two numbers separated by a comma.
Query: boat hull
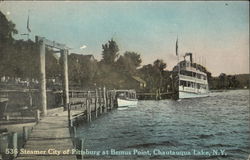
[[183, 95], [126, 102]]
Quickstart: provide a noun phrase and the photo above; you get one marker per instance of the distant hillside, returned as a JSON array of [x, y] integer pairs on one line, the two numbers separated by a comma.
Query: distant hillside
[[244, 80], [224, 81]]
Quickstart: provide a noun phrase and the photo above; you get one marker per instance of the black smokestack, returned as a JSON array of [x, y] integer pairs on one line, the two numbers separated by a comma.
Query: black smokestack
[[191, 56]]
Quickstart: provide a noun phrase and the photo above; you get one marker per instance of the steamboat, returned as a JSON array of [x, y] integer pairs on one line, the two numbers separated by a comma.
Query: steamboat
[[191, 79]]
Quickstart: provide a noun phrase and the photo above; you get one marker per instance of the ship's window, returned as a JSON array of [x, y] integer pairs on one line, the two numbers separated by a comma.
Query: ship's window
[[192, 84], [198, 86], [199, 76], [194, 74], [183, 83]]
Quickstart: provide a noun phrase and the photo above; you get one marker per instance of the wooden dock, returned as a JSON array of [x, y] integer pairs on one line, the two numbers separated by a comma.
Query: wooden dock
[[52, 138]]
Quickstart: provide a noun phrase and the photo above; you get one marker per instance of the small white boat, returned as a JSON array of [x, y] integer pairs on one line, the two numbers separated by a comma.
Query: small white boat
[[126, 102], [126, 98]]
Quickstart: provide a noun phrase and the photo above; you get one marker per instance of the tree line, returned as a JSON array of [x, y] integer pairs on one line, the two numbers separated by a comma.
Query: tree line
[[20, 59]]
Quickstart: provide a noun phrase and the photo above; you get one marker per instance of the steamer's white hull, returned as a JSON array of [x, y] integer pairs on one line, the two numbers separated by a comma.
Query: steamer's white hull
[[183, 95]]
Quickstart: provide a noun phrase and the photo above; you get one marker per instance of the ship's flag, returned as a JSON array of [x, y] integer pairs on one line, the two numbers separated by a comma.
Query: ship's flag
[[176, 49], [28, 24]]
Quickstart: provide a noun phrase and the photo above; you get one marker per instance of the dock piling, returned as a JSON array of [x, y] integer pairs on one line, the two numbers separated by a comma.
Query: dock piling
[[100, 100], [13, 144], [96, 109], [43, 77], [37, 114], [88, 107], [25, 133], [81, 148], [69, 115], [104, 99]]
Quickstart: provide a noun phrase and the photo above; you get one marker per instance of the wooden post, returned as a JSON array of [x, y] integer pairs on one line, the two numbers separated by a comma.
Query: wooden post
[[43, 77], [90, 100], [25, 133], [89, 97], [74, 131], [159, 94], [104, 99], [69, 115], [87, 106], [13, 144], [156, 94], [71, 123], [64, 54], [37, 115], [96, 109], [108, 102], [7, 117], [111, 100], [90, 118], [79, 146], [73, 135], [100, 100], [30, 99]]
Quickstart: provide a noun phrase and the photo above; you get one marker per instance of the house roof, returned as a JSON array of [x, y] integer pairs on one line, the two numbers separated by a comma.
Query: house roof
[[83, 57], [139, 79]]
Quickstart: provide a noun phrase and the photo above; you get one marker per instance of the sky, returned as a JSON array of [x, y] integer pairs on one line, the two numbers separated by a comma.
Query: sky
[[217, 33]]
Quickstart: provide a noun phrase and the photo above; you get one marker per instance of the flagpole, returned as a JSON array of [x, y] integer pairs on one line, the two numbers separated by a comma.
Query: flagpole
[[178, 64], [28, 25], [179, 69]]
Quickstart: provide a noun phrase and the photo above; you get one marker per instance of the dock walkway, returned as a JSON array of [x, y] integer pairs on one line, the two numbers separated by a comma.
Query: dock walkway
[[50, 137]]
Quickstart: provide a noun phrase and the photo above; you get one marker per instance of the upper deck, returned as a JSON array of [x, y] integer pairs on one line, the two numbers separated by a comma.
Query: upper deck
[[188, 66]]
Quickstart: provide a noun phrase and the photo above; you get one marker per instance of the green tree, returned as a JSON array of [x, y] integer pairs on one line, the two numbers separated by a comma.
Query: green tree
[[53, 68], [82, 69], [232, 82], [135, 58], [7, 29], [160, 65], [129, 62], [151, 75], [26, 58], [110, 52], [223, 81]]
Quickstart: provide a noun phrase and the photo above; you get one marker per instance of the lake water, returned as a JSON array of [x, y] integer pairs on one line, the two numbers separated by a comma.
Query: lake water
[[216, 127]]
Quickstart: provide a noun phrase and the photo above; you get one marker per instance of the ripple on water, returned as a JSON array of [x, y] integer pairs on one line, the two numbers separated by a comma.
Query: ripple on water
[[219, 121]]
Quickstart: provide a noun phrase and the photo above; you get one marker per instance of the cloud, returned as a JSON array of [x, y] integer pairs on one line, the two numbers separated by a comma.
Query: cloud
[[83, 47]]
